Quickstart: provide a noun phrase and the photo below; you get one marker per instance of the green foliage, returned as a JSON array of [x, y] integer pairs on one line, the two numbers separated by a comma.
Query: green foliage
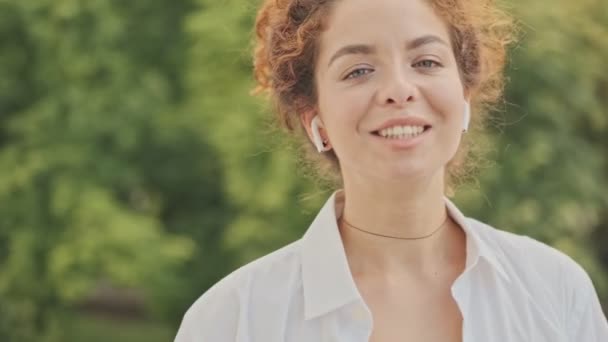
[[101, 177], [260, 174], [132, 152], [550, 176]]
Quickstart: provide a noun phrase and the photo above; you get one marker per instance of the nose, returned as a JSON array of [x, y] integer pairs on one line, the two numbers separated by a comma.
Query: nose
[[396, 90]]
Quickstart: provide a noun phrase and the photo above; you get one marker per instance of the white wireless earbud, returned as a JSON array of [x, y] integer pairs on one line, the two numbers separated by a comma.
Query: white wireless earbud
[[317, 140], [467, 116]]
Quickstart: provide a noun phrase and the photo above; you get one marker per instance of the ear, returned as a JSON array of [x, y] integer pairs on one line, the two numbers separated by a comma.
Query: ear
[[306, 119]]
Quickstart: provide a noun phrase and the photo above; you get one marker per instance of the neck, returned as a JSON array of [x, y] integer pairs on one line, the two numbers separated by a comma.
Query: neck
[[410, 210]]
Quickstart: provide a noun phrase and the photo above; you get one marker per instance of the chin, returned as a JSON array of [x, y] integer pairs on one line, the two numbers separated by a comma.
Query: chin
[[405, 172]]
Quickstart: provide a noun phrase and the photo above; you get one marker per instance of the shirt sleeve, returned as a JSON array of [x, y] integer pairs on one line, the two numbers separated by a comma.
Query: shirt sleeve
[[587, 321]]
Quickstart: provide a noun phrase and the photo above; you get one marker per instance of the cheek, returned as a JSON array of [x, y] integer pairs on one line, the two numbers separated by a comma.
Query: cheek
[[343, 107], [447, 99]]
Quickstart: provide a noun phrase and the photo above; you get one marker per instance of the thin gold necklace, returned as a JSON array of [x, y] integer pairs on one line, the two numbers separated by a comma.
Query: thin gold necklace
[[398, 237]]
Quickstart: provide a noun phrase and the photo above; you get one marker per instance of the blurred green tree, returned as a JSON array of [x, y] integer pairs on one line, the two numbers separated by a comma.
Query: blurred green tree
[[261, 177], [131, 150], [550, 177], [102, 176]]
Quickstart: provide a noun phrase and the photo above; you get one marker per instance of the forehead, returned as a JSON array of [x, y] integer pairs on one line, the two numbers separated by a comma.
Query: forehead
[[379, 22]]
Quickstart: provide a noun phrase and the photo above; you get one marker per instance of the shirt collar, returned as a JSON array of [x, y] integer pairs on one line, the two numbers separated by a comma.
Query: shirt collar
[[327, 281], [477, 246]]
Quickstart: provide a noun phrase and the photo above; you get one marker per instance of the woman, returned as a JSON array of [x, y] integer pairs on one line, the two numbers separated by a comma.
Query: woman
[[383, 90]]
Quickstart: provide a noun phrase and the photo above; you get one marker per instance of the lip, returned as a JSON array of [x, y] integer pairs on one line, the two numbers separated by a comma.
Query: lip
[[400, 144], [405, 121]]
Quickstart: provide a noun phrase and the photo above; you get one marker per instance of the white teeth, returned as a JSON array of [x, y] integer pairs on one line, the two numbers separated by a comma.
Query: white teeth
[[401, 131]]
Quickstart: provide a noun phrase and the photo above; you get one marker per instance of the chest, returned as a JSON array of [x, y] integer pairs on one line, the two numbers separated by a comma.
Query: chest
[[417, 312]]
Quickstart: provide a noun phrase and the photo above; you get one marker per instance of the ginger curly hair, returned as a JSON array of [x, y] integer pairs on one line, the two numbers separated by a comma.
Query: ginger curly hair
[[286, 49]]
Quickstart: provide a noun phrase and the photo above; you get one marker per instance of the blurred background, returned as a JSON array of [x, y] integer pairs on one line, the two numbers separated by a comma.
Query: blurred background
[[136, 170]]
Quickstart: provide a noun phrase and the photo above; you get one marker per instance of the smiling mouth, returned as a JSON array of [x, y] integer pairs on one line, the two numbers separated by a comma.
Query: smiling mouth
[[400, 133]]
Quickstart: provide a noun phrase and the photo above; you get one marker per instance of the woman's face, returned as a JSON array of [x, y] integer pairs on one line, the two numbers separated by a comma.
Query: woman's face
[[380, 64]]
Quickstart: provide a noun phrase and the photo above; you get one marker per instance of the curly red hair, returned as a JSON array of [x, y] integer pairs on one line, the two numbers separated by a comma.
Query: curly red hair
[[286, 49]]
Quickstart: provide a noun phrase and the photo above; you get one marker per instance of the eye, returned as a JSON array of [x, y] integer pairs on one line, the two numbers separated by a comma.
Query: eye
[[428, 63], [358, 73]]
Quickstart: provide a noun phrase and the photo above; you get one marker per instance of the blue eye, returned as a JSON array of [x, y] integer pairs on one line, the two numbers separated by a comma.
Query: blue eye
[[428, 63], [358, 73]]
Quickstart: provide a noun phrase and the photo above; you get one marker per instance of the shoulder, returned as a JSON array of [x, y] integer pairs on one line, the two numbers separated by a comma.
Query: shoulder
[[541, 268], [217, 311], [521, 252], [551, 281]]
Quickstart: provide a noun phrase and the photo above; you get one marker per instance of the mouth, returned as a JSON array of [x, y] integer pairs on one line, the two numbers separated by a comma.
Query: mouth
[[401, 132]]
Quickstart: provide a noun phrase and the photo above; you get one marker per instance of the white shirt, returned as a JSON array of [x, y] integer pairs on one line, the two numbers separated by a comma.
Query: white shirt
[[513, 288]]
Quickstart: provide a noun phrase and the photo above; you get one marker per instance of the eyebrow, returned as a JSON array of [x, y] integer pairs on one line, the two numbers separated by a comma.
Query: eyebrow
[[363, 49]]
